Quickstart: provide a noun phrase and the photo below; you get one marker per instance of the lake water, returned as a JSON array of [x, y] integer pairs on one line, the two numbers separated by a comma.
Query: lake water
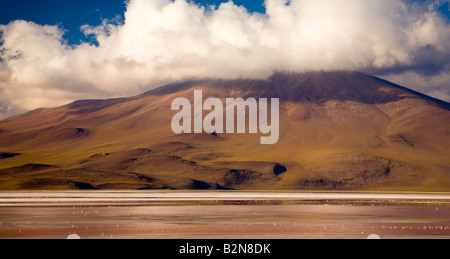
[[234, 215]]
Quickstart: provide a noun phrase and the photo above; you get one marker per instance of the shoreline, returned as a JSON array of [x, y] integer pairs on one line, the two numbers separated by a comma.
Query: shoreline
[[224, 214]]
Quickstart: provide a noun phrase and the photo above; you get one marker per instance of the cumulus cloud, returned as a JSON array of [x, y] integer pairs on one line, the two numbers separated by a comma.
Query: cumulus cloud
[[435, 85], [161, 41]]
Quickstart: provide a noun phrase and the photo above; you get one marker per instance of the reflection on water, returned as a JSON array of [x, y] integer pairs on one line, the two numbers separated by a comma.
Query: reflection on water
[[223, 215]]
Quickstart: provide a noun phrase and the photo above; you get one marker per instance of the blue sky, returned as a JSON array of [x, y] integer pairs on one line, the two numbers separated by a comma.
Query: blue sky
[[72, 14], [69, 14]]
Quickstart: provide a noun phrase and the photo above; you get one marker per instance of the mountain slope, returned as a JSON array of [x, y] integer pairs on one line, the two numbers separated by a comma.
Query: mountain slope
[[338, 130]]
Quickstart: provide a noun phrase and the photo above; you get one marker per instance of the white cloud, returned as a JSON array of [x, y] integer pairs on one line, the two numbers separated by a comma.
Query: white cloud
[[162, 41], [437, 86]]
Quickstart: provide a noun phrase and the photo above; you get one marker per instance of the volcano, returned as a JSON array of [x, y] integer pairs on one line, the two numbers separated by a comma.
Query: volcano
[[338, 131]]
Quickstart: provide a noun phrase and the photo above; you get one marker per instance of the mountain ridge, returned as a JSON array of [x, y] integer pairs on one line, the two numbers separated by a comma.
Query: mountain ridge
[[339, 131]]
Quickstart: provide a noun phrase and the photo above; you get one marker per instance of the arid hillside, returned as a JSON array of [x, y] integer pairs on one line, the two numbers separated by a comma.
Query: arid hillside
[[338, 131]]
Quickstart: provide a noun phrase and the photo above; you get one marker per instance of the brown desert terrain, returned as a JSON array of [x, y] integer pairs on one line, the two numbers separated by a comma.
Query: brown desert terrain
[[338, 131]]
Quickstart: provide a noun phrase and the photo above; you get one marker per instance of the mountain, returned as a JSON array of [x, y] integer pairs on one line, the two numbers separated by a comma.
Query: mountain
[[338, 131]]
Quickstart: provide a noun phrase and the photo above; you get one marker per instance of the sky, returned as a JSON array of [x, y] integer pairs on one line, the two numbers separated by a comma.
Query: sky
[[53, 52], [72, 14]]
